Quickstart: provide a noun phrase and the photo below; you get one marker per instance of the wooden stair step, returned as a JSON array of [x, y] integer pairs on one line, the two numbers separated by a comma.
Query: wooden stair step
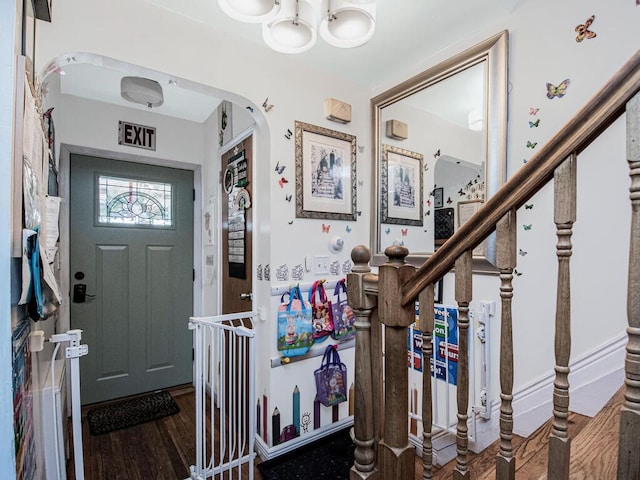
[[594, 452]]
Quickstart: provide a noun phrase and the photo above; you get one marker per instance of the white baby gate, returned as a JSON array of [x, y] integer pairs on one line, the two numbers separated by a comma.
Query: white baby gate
[[224, 358]]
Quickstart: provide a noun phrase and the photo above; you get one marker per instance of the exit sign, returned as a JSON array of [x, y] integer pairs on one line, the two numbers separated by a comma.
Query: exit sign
[[135, 135]]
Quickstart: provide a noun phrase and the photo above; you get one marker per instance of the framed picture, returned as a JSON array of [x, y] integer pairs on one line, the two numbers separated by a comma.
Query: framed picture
[[438, 201], [401, 186], [325, 173], [466, 209]]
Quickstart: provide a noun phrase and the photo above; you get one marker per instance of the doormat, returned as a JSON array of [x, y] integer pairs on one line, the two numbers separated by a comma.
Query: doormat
[[330, 457], [128, 413]]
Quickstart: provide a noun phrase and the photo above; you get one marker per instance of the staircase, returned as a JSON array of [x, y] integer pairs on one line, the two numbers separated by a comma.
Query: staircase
[[592, 455], [384, 307]]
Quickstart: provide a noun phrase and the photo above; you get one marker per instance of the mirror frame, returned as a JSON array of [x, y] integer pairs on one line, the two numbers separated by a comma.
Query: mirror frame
[[493, 51]]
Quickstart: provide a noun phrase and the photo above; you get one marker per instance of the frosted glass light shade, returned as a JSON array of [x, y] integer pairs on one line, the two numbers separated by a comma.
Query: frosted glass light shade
[[141, 90], [250, 11], [286, 34], [348, 25]]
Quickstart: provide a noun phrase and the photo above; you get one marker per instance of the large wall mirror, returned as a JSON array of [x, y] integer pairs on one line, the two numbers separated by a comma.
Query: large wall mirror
[[440, 145]]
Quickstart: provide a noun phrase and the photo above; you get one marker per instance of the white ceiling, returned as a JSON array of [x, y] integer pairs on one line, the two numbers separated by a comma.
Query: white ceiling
[[407, 33]]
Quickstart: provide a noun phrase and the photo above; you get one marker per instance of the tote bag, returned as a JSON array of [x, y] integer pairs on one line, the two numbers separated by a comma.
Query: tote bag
[[331, 378], [343, 316], [322, 315], [294, 324]]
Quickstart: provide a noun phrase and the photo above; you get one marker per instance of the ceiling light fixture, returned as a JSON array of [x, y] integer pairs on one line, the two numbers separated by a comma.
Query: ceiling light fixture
[[141, 90], [292, 26]]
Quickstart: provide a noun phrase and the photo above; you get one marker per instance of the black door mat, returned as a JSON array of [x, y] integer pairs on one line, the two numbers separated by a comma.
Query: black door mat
[[330, 457], [128, 413]]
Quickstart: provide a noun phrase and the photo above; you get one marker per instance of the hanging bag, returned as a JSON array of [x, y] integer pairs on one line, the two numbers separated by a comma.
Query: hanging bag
[[321, 310], [294, 324], [343, 316], [331, 378]]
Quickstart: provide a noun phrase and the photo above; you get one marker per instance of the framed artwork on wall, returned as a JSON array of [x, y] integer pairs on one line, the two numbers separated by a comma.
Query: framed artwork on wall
[[438, 197], [401, 186], [325, 173]]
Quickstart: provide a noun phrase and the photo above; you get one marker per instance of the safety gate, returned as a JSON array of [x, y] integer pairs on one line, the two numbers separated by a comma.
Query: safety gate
[[224, 364]]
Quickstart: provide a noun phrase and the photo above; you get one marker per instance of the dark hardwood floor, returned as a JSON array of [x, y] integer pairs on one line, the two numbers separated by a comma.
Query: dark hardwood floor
[[165, 448]]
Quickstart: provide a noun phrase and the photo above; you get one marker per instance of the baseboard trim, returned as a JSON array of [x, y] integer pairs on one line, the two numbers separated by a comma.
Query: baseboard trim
[[267, 453], [593, 379]]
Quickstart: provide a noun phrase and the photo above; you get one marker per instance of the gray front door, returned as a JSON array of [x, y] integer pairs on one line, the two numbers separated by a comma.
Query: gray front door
[[131, 268]]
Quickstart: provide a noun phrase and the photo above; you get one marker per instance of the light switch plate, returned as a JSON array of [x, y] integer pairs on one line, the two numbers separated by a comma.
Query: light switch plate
[[321, 265]]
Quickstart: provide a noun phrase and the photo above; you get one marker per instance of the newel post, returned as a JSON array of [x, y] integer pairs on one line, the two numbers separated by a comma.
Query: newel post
[[362, 305], [396, 454]]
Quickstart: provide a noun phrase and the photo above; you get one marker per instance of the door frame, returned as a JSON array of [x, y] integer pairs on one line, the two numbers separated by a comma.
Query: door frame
[[246, 133], [66, 150]]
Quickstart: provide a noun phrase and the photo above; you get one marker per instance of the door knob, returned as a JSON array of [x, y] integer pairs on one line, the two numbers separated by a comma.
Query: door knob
[[246, 296]]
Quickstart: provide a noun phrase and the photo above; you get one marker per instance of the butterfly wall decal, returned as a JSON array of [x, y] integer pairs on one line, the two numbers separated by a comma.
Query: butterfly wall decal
[[249, 108], [528, 206], [288, 197], [280, 168], [522, 253], [533, 111], [361, 148], [325, 228], [583, 30], [266, 105], [527, 226], [428, 213], [531, 145], [461, 193], [288, 134], [426, 167], [388, 230], [437, 154], [517, 273], [359, 212], [282, 181], [360, 183], [290, 222], [404, 231], [559, 91], [449, 201], [348, 229], [534, 124], [428, 202], [524, 160]]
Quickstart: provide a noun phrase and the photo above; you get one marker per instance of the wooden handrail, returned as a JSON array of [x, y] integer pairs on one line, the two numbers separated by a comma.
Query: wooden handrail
[[596, 116]]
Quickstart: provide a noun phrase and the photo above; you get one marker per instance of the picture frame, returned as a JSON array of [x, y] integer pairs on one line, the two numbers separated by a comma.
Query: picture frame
[[466, 209], [325, 173], [438, 197], [401, 186]]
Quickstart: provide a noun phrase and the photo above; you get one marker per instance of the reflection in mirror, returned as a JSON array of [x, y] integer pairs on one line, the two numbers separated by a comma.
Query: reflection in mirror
[[454, 117]]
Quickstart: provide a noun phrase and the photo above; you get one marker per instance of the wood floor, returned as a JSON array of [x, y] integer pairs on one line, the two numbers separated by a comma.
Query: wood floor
[[164, 449]]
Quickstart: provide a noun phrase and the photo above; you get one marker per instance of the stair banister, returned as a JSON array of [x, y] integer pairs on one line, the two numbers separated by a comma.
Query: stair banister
[[598, 114]]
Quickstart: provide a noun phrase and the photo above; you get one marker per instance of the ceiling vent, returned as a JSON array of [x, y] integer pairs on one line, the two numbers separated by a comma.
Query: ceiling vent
[[141, 90]]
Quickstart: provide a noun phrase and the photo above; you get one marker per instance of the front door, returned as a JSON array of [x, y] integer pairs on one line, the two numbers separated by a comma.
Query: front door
[[131, 268], [237, 228]]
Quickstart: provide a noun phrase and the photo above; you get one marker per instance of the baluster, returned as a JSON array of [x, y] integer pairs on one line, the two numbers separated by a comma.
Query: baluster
[[564, 217], [396, 455], [506, 262], [362, 304], [426, 325], [463, 297], [629, 448]]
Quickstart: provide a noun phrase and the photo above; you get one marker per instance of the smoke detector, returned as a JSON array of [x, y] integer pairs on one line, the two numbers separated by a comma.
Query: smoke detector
[[141, 90]]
